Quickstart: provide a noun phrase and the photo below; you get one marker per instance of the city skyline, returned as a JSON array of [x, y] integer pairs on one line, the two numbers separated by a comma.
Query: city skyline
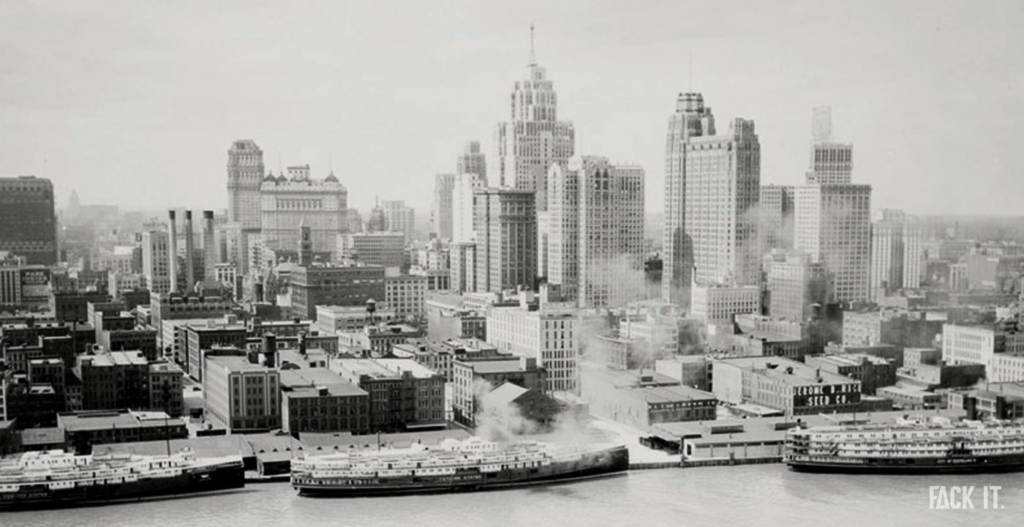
[[331, 95]]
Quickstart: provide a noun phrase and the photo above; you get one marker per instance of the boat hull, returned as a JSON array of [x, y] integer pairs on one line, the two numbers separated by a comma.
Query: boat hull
[[591, 465], [199, 480], [963, 465]]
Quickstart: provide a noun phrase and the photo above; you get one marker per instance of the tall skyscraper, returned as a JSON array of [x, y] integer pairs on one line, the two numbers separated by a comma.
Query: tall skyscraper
[[156, 261], [400, 218], [595, 244], [690, 120], [776, 212], [287, 202], [245, 174], [712, 190], [472, 161], [831, 162], [795, 285], [28, 226], [833, 216], [506, 239], [464, 186], [533, 138], [896, 253], [441, 208]]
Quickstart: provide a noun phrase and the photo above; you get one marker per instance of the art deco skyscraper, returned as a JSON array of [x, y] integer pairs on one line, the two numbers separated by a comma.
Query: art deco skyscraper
[[691, 119], [712, 190], [595, 231], [833, 216], [245, 174], [533, 138]]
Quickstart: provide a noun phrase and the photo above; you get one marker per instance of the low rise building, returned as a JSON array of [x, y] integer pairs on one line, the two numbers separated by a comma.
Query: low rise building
[[318, 400], [403, 395], [872, 372], [331, 320], [789, 386], [85, 430], [475, 376], [643, 398], [241, 393]]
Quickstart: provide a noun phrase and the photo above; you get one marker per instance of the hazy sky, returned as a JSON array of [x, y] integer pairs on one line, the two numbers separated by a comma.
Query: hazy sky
[[136, 103]]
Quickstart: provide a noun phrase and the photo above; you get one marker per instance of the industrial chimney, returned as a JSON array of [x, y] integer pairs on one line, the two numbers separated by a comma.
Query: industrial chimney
[[172, 251], [209, 250], [190, 270]]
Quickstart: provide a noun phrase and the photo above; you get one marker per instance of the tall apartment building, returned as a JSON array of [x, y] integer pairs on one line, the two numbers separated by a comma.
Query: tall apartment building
[[533, 138], [155, 261], [472, 161], [594, 229], [441, 207], [28, 227], [795, 285], [245, 174], [833, 216], [551, 337], [776, 217], [896, 253], [288, 202], [464, 186], [506, 249], [400, 218]]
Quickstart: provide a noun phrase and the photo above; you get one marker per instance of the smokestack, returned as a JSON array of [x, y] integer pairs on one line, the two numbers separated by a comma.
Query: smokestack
[[190, 271], [209, 249], [172, 250]]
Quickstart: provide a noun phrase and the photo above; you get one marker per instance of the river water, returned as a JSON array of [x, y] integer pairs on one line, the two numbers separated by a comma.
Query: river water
[[742, 495]]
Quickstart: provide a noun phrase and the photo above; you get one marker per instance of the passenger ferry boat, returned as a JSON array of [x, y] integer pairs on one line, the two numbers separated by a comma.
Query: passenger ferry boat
[[908, 447], [51, 479], [453, 466]]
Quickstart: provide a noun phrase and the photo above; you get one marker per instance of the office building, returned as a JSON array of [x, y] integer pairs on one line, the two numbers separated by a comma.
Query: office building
[[833, 221], [350, 285], [776, 206], [896, 253], [386, 249], [797, 288], [595, 239], [473, 376], [288, 202], [318, 400], [712, 187], [155, 261], [403, 394], [241, 393], [245, 175], [506, 246], [441, 207], [400, 218], [551, 337], [405, 295], [533, 138], [28, 227], [472, 161], [464, 186]]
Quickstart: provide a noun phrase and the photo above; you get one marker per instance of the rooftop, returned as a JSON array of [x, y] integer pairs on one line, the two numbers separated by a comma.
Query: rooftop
[[104, 420], [418, 370], [789, 371], [302, 380], [235, 363]]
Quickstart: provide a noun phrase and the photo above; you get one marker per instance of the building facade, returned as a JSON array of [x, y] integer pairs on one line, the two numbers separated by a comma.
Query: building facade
[[506, 251], [245, 174], [896, 253], [288, 203], [28, 227]]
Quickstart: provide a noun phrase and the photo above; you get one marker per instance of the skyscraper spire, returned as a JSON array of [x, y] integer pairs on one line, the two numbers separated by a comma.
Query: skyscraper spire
[[533, 54]]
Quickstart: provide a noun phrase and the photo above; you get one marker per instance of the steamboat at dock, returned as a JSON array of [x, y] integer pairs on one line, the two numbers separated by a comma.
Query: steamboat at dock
[[453, 466], [908, 447]]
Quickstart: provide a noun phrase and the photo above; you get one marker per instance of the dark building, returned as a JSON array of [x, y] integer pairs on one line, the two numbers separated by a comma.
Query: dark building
[[334, 286], [73, 306], [83, 430], [27, 224], [114, 380]]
